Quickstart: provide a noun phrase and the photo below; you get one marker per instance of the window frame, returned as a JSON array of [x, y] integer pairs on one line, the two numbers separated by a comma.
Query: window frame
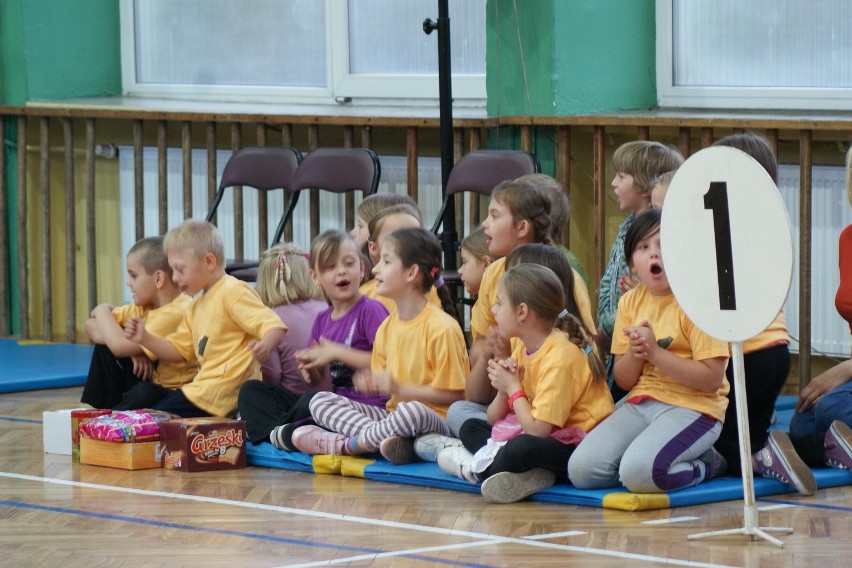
[[670, 95], [342, 86]]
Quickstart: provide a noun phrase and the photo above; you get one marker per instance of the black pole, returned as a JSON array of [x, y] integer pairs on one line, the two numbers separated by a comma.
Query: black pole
[[449, 236]]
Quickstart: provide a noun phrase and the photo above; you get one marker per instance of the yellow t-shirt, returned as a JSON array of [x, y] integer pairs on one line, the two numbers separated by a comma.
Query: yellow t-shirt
[[671, 325], [559, 383], [775, 334], [369, 289], [428, 350], [215, 334], [161, 321], [481, 317]]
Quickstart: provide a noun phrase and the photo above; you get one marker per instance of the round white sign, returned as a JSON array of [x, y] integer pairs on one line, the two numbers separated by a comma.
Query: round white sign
[[726, 243]]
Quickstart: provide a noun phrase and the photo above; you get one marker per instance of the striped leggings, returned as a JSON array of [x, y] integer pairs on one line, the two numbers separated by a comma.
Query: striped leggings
[[340, 414]]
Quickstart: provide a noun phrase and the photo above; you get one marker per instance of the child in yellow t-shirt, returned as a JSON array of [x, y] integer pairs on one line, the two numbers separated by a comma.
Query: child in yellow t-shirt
[[123, 375], [227, 331], [661, 438], [419, 359], [550, 393], [382, 224], [519, 213], [475, 258]]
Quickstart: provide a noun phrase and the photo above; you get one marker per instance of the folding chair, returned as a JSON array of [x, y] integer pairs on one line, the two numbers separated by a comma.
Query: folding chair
[[265, 169], [480, 172], [337, 170]]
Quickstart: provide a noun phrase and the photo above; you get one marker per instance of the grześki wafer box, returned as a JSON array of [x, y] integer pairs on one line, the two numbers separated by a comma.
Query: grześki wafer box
[[203, 444]]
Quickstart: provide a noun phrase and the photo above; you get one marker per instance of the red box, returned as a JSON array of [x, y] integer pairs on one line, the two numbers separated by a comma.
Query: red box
[[203, 444]]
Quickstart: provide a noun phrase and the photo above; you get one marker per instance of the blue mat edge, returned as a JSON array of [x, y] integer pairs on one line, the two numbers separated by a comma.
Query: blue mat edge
[[429, 475], [67, 365]]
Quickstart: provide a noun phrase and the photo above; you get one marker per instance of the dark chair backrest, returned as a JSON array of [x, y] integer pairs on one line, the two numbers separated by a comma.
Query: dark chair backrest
[[263, 168], [482, 170], [337, 170]]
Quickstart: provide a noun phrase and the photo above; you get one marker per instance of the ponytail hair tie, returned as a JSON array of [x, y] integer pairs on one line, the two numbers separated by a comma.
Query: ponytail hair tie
[[562, 314], [587, 349], [439, 281], [282, 267], [434, 272]]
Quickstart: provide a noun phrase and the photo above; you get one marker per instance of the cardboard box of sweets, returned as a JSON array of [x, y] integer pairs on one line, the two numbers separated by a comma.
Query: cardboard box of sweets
[[203, 444], [123, 455]]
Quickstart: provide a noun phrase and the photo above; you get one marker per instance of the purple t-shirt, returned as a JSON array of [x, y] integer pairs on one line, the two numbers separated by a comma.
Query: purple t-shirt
[[281, 368], [356, 329]]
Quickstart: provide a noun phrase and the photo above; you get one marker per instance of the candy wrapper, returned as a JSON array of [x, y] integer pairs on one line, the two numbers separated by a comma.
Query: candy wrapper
[[126, 426]]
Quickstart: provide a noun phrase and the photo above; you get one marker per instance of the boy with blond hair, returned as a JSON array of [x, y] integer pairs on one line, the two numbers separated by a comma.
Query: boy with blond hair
[[637, 164], [226, 332], [123, 375]]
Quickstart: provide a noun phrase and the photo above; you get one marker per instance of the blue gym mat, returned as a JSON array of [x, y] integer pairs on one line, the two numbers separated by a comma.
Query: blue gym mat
[[430, 475], [33, 365]]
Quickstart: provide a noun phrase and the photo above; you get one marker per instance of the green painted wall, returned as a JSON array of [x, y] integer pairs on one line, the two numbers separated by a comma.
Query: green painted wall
[[52, 49], [520, 49], [13, 76], [560, 57], [72, 49]]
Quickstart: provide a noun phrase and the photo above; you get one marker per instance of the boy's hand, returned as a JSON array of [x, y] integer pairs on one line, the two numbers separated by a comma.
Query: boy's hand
[[134, 330], [627, 283], [503, 375], [101, 307], [259, 350], [142, 367]]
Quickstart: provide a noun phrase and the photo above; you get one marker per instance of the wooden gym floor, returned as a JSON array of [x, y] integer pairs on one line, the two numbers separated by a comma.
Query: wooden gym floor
[[57, 514]]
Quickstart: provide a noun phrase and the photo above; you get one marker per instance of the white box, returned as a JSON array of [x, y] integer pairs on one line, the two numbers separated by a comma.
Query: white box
[[56, 431]]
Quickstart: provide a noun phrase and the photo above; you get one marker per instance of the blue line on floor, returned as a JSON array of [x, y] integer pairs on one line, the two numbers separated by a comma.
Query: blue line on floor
[[268, 538], [29, 420], [805, 504]]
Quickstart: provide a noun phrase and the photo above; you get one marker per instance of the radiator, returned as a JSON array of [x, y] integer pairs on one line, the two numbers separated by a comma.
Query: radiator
[[332, 207], [830, 214]]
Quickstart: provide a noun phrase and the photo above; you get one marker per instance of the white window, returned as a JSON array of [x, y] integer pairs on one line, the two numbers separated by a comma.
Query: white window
[[284, 51], [767, 54]]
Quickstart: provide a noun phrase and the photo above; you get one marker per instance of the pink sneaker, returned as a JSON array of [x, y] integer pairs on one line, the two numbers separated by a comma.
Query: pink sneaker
[[838, 445], [315, 440]]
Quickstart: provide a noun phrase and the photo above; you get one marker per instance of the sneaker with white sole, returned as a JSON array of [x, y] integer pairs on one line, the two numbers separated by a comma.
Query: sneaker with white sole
[[398, 450], [315, 440], [428, 446], [780, 461], [507, 487], [455, 460], [838, 445], [716, 464]]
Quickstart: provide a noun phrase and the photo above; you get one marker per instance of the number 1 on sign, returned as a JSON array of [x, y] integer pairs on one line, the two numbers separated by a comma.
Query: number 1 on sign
[[716, 199]]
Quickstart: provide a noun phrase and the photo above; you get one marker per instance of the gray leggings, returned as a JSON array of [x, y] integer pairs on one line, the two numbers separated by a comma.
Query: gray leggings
[[650, 447], [340, 414]]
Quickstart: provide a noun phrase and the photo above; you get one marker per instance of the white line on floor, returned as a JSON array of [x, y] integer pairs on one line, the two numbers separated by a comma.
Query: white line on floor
[[554, 535], [670, 520], [773, 507]]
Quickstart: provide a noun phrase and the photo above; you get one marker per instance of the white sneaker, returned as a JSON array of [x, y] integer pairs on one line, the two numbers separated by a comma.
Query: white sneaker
[[506, 487], [428, 446], [456, 461]]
